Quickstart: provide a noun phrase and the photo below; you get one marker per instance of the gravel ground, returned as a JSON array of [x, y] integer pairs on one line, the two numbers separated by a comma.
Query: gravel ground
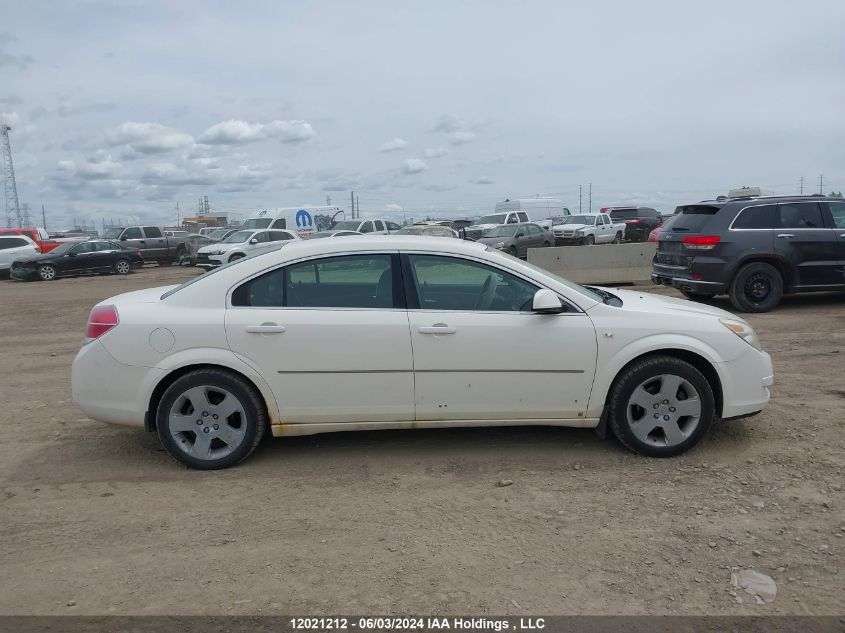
[[99, 520]]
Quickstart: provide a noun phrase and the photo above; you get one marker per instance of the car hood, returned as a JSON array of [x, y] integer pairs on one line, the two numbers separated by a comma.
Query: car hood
[[648, 302], [220, 246], [480, 227], [38, 258], [570, 227], [493, 240]]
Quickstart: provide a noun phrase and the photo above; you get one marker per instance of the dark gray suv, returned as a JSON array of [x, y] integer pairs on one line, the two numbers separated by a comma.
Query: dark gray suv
[[754, 249]]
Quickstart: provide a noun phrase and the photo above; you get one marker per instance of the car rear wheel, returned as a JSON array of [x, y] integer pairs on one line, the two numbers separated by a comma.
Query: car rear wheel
[[210, 419], [661, 406], [46, 272], [122, 267], [757, 287], [617, 238]]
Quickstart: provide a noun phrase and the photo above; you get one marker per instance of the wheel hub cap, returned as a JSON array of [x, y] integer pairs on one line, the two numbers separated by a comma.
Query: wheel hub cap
[[207, 422], [664, 410]]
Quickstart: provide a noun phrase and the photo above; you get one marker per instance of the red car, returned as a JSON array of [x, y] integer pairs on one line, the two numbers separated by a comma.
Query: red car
[[654, 236], [39, 236]]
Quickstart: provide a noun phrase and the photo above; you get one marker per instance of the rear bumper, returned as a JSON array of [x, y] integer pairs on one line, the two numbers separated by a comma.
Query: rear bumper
[[683, 282], [109, 391]]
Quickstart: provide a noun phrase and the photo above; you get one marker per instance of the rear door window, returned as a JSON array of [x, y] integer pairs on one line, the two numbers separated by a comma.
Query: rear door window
[[799, 215], [693, 217], [837, 210], [152, 231], [757, 217], [523, 217]]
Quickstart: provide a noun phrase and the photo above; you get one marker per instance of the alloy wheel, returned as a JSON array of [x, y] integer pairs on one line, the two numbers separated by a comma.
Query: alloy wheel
[[207, 422], [47, 273], [664, 410]]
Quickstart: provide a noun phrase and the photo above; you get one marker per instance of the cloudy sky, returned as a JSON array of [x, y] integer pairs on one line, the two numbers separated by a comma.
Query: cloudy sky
[[442, 107]]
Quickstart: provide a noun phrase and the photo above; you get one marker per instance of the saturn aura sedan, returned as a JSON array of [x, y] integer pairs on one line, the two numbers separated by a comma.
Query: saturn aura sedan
[[395, 332]]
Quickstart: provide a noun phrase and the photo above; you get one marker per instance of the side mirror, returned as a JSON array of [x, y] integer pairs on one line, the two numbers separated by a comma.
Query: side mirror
[[547, 302], [123, 238], [254, 240]]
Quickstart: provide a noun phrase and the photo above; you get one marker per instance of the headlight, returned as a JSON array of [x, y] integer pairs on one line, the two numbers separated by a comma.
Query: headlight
[[743, 331], [499, 245], [216, 252]]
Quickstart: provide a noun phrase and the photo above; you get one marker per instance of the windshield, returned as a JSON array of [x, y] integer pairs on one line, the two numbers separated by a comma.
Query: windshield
[[112, 234], [346, 225], [506, 230], [410, 230], [238, 238], [569, 284], [214, 271], [623, 214], [580, 219], [218, 233], [257, 223], [495, 218]]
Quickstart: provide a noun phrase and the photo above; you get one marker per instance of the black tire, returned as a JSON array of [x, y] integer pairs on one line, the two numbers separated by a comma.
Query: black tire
[[757, 287], [547, 244], [637, 374], [122, 267], [696, 296], [254, 424], [618, 238], [235, 257], [47, 272], [590, 240], [512, 251]]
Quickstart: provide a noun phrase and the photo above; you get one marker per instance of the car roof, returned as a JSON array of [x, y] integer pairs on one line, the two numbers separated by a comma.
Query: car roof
[[387, 243]]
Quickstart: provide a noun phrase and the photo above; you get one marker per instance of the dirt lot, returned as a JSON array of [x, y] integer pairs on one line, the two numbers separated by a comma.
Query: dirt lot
[[99, 520]]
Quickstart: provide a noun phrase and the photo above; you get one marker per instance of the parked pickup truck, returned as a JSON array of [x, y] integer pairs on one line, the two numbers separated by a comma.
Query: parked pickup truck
[[589, 229], [151, 241], [39, 236]]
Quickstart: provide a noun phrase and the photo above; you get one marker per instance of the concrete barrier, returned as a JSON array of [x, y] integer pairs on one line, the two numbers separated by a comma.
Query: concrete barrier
[[600, 264]]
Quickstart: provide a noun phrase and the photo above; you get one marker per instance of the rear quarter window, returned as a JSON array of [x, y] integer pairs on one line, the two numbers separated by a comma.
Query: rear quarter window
[[694, 217], [12, 242], [756, 217]]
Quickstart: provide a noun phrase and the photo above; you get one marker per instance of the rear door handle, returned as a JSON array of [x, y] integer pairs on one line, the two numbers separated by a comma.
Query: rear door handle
[[786, 234], [437, 328], [265, 328]]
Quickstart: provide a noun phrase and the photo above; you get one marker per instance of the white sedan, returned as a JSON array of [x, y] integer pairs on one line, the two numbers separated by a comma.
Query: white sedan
[[240, 244], [409, 332]]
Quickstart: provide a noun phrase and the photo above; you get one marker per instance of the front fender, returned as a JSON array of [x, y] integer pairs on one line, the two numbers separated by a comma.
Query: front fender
[[614, 362]]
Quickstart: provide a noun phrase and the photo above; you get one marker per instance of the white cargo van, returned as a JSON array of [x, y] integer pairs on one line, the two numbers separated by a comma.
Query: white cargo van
[[302, 220]]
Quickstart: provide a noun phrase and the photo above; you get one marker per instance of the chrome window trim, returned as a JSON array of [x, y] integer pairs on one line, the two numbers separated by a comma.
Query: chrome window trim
[[781, 228]]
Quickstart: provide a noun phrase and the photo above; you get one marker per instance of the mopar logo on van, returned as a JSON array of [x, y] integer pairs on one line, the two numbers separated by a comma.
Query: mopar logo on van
[[304, 223]]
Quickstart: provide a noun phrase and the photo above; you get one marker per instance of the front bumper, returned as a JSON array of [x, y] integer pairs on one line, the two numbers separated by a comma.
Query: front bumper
[[23, 273], [745, 383], [204, 260]]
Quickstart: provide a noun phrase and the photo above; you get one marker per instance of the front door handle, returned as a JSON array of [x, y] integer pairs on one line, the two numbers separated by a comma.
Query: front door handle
[[437, 328], [265, 328], [786, 234]]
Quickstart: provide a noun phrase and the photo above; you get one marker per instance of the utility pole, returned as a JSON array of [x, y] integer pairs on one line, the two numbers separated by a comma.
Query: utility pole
[[579, 198], [821, 184], [352, 201], [13, 210], [591, 198], [801, 185], [24, 220], [357, 207], [44, 218], [328, 201], [177, 213]]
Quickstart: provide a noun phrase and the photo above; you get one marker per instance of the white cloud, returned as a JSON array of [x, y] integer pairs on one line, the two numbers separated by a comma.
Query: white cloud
[[483, 180], [393, 145], [449, 123], [435, 152], [462, 138], [238, 132], [393, 208], [413, 166], [148, 138]]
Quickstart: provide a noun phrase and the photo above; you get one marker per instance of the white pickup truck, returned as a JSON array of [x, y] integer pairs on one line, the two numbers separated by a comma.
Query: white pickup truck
[[588, 229]]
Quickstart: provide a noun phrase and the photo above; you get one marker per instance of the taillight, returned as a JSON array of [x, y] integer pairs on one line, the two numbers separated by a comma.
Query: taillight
[[100, 321], [700, 242], [138, 252]]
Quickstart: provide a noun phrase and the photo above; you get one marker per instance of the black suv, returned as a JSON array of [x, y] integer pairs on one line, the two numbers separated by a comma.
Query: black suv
[[754, 249], [639, 221]]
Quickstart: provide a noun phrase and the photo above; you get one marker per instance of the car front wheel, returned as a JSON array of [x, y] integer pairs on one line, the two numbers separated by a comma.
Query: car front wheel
[[661, 406], [122, 267], [210, 419], [46, 272]]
